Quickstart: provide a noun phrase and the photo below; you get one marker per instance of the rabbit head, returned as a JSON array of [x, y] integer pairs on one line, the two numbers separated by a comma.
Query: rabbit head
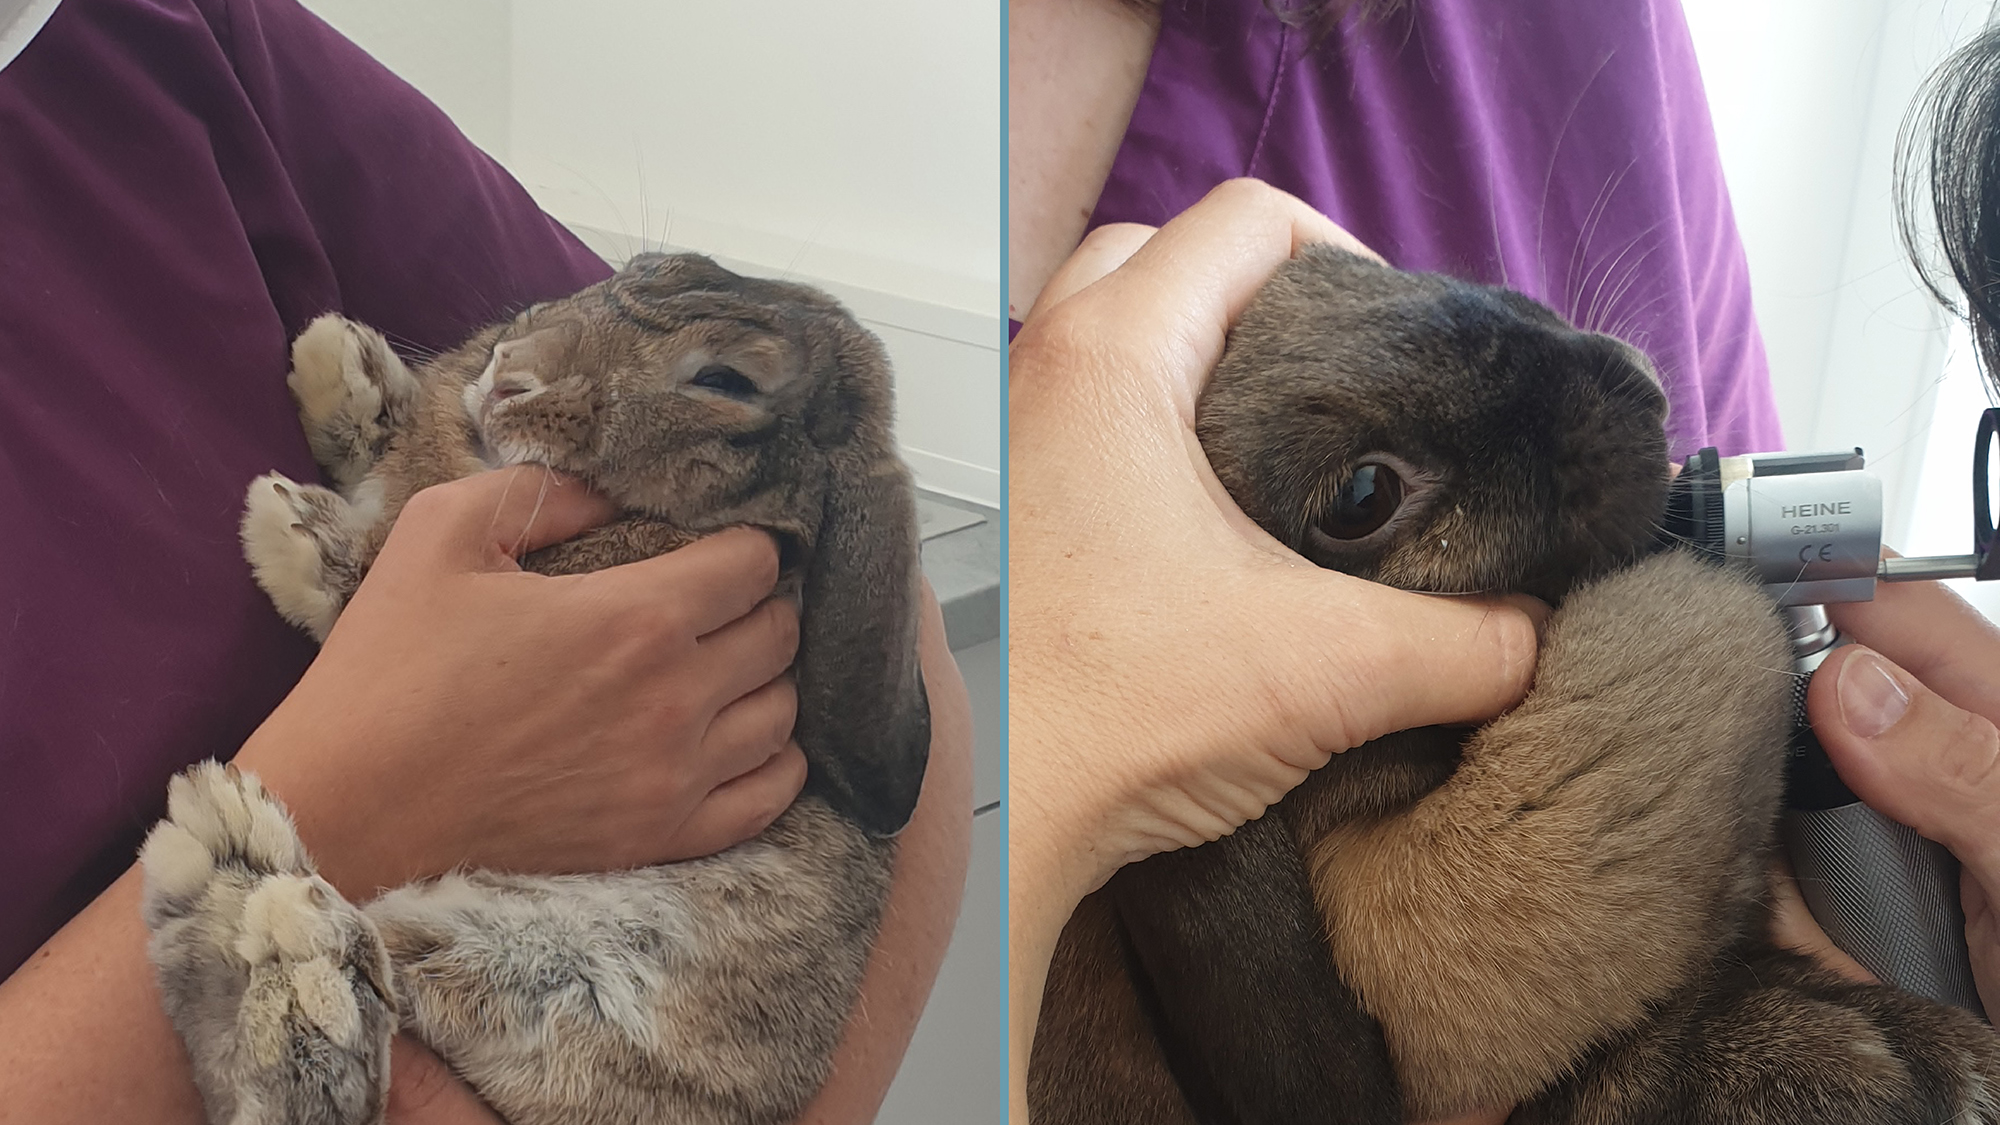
[[1433, 434], [686, 392]]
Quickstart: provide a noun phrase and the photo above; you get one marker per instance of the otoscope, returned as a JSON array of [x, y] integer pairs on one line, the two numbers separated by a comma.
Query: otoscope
[[1810, 527]]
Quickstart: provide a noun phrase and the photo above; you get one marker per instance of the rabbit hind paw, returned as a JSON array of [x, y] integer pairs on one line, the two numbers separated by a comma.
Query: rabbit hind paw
[[353, 392], [278, 986]]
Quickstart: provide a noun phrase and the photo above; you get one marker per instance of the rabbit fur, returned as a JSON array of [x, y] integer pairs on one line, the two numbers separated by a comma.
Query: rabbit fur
[[706, 991], [1566, 909]]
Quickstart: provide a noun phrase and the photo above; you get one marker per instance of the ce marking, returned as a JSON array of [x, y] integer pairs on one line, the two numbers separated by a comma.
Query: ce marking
[[1824, 553]]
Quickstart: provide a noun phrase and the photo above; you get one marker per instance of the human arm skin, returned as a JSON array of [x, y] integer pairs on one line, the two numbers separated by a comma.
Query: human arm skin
[[1075, 69], [1138, 587], [82, 1035]]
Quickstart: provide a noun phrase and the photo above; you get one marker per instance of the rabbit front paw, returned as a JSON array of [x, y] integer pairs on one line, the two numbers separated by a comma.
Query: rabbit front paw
[[278, 986], [304, 544], [353, 392]]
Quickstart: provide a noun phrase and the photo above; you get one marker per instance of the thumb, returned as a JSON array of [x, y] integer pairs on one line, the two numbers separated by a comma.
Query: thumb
[[1908, 753], [487, 521], [1411, 660]]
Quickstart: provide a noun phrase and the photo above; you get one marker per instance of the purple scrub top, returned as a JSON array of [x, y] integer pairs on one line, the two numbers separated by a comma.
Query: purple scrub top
[[183, 185], [1562, 148]]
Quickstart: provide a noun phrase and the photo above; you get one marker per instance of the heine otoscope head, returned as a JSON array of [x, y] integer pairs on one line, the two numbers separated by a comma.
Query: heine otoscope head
[[1809, 527]]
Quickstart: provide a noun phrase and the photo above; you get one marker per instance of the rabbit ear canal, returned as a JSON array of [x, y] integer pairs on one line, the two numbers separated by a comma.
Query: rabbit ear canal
[[864, 722]]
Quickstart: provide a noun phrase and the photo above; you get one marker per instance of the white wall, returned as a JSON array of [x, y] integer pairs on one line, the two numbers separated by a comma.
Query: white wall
[[458, 52], [1807, 98], [855, 146], [861, 139]]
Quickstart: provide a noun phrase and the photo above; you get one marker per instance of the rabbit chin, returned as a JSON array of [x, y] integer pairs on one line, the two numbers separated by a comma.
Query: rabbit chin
[[500, 451]]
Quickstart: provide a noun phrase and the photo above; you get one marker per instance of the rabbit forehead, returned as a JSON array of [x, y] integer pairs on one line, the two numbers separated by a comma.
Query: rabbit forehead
[[597, 341], [1364, 354]]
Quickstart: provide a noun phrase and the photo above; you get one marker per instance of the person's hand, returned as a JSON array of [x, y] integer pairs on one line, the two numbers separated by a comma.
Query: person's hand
[[916, 928], [424, 1091], [1907, 717], [1173, 669], [463, 711]]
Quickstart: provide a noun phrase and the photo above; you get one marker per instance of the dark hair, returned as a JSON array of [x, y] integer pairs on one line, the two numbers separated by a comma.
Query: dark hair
[[1950, 143]]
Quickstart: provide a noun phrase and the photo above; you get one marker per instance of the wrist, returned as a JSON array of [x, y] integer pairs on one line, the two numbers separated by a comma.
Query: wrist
[[1064, 829], [350, 829]]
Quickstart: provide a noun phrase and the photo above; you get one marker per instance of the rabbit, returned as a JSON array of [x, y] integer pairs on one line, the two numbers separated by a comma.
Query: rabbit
[[1566, 909], [706, 991]]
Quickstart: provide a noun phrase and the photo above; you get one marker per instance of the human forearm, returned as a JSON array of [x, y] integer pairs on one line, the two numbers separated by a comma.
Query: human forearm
[[1040, 897], [917, 922], [1032, 930], [82, 1035]]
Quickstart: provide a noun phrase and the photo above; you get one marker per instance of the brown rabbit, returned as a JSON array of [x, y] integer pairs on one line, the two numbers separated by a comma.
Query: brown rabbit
[[709, 991], [1566, 908]]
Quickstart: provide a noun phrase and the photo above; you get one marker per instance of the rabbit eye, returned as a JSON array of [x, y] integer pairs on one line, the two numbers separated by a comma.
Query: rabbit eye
[[1364, 503], [725, 380]]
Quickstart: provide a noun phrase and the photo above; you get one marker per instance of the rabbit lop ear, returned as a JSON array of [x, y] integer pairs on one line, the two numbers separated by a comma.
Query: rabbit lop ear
[[864, 722]]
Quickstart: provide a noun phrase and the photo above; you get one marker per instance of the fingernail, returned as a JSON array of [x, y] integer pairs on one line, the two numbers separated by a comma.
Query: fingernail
[[1870, 698]]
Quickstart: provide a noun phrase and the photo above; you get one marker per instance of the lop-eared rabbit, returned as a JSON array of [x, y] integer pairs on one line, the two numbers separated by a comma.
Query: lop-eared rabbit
[[706, 991]]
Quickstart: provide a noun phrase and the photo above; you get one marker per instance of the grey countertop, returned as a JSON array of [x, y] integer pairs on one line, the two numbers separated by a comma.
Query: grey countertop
[[962, 560]]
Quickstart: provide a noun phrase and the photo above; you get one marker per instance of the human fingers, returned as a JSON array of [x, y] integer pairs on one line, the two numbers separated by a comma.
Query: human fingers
[[1102, 250], [710, 582], [1375, 659], [1927, 629], [1189, 283], [752, 650], [740, 807], [488, 520], [1911, 754], [424, 1091], [1324, 663], [744, 734]]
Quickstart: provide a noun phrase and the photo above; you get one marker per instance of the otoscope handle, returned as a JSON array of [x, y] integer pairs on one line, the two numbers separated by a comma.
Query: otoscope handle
[[1884, 894]]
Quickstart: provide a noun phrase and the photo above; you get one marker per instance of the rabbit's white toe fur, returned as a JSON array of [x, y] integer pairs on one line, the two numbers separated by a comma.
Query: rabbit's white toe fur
[[302, 541], [278, 986], [226, 810], [352, 391]]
